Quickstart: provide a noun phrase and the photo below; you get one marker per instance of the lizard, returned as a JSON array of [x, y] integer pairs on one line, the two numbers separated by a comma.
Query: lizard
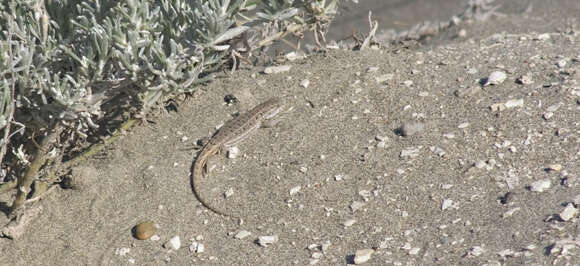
[[230, 134]]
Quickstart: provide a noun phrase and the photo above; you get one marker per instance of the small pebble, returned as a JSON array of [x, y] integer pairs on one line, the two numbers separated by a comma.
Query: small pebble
[[294, 190], [555, 167], [476, 251], [173, 243], [543, 37], [561, 132], [541, 185], [449, 135], [363, 255], [411, 128], [554, 107], [122, 251], [548, 115], [446, 204], [313, 247], [277, 69], [410, 152], [145, 230], [349, 222], [530, 247], [381, 138], [526, 79], [480, 164], [446, 186], [514, 103], [266, 240], [463, 125], [511, 212], [292, 56], [242, 234], [495, 78], [305, 83], [569, 212], [561, 63], [228, 193], [193, 247], [414, 251], [200, 248]]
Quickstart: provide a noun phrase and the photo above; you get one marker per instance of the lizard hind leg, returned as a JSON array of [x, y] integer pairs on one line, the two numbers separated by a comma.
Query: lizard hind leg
[[209, 165]]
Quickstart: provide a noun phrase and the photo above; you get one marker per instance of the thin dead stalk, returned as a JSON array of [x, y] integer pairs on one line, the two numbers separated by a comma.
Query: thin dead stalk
[[373, 26]]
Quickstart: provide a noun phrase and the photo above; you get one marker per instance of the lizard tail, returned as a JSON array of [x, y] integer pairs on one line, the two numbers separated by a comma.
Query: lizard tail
[[197, 174]]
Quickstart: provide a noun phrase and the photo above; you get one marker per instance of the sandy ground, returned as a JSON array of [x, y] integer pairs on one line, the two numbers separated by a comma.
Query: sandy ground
[[337, 176]]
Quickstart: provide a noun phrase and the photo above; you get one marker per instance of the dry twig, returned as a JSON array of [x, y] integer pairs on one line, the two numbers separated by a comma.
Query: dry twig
[[373, 26]]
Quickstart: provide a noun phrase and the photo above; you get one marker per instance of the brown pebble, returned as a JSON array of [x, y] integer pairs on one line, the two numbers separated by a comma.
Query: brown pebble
[[144, 230]]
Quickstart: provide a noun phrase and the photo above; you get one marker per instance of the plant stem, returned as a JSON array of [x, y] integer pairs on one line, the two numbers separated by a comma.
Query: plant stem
[[40, 158]]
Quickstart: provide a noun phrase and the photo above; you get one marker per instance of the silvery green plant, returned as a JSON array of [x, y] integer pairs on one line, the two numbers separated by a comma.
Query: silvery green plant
[[68, 63]]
